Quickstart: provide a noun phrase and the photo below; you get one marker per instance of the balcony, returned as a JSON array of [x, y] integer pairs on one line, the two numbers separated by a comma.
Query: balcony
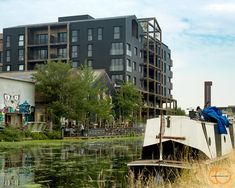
[[171, 63], [58, 56], [171, 74], [38, 44], [58, 41], [171, 86]]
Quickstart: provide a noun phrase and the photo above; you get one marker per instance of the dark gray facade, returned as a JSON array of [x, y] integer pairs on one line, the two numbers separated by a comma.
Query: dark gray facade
[[117, 44]]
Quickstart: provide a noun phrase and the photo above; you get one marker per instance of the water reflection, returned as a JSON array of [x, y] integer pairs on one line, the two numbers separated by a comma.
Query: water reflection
[[87, 164]]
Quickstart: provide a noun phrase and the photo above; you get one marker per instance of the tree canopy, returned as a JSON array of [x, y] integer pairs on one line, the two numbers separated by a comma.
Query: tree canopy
[[128, 101], [73, 94]]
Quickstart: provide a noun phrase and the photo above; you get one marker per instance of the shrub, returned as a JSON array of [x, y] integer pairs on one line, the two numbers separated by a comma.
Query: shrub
[[54, 135], [38, 136], [11, 134]]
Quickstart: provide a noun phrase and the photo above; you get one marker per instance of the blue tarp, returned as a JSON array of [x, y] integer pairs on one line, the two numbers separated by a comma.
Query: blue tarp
[[213, 114]]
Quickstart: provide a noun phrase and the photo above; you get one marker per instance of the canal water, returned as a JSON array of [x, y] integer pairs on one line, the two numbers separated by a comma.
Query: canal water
[[91, 163]]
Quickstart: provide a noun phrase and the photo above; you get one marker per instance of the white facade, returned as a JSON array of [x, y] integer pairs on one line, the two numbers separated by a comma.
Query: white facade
[[13, 93]]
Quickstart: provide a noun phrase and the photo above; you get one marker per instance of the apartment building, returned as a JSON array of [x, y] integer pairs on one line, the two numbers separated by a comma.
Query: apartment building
[[129, 49]]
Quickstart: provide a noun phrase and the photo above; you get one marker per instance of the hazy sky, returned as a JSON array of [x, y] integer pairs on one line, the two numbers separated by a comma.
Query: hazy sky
[[200, 34]]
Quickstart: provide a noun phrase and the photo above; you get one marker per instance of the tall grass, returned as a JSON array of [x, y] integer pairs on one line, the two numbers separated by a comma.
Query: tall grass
[[220, 174]]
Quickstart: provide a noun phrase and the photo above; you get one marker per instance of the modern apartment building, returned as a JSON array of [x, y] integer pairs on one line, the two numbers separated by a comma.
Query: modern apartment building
[[129, 49]]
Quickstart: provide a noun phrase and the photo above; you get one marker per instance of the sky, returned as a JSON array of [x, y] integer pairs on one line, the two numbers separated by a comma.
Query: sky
[[200, 34]]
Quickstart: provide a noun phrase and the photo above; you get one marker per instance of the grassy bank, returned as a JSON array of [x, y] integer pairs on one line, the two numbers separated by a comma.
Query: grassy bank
[[57, 142], [220, 174]]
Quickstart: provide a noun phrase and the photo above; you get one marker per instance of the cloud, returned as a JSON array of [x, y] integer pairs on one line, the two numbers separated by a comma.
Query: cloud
[[200, 34], [224, 8]]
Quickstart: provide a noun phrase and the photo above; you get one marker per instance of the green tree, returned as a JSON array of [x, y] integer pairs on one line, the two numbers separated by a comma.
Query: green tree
[[54, 85], [128, 101], [74, 94], [179, 112], [90, 101]]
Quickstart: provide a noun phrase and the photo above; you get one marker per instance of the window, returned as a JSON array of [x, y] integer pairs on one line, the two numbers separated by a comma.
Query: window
[[42, 54], [117, 49], [128, 78], [134, 65], [1, 57], [100, 34], [89, 50], [62, 53], [116, 32], [135, 29], [42, 38], [135, 51], [21, 40], [89, 63], [62, 37], [8, 56], [134, 80], [8, 67], [116, 65], [8, 41], [128, 65], [164, 79], [74, 51], [20, 55], [128, 49], [74, 35], [140, 69], [89, 34], [116, 77], [21, 67], [141, 54], [74, 64], [164, 91], [0, 68], [164, 55], [164, 67]]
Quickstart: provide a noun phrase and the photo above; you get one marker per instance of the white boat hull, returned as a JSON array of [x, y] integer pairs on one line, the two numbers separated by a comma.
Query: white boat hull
[[200, 135]]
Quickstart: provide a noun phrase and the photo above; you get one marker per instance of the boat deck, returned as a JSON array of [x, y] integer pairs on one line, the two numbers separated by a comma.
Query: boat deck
[[160, 163]]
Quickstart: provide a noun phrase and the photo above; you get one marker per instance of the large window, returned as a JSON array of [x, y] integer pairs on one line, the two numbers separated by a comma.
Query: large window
[[116, 32], [134, 65], [21, 67], [74, 64], [42, 38], [135, 51], [100, 34], [8, 67], [128, 49], [21, 55], [74, 51], [74, 35], [128, 65], [8, 56], [89, 63], [117, 49], [89, 34], [89, 50], [116, 77], [62, 53], [164, 55], [128, 78], [116, 65], [21, 40], [42, 54], [8, 41], [134, 80], [62, 37]]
